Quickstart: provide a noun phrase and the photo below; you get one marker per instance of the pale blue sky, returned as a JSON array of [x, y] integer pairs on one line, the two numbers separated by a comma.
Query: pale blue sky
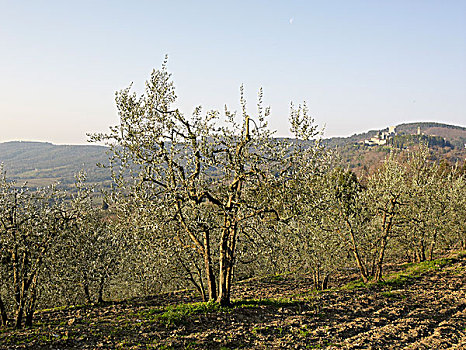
[[360, 65]]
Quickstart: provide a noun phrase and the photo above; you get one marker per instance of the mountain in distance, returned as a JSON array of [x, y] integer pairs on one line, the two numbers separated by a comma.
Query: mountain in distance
[[42, 163], [456, 135], [447, 142]]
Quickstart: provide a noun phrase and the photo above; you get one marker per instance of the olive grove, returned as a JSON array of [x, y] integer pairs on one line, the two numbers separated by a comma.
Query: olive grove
[[204, 200]]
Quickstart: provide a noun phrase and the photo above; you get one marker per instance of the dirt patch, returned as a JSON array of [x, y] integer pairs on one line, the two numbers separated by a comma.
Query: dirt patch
[[428, 312]]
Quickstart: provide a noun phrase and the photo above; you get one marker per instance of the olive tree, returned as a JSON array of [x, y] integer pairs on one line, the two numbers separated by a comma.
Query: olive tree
[[426, 208], [386, 194], [349, 216], [312, 242], [31, 222], [454, 229], [200, 173], [86, 259]]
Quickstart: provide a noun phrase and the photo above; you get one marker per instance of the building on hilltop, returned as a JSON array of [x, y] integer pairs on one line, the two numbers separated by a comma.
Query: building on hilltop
[[382, 137]]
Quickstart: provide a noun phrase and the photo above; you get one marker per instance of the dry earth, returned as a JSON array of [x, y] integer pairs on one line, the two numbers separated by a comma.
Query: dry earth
[[418, 308]]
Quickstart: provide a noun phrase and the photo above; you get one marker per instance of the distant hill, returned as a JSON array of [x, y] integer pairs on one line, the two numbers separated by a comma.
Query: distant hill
[[456, 135], [447, 142], [42, 163]]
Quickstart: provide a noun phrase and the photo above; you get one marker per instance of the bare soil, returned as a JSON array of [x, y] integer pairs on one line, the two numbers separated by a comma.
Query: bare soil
[[427, 311]]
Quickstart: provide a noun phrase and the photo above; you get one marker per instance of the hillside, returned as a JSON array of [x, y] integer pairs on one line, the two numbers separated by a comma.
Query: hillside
[[447, 142], [420, 306], [456, 135], [40, 163]]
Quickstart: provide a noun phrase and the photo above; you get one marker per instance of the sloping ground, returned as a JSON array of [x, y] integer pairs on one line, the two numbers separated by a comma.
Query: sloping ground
[[421, 307]]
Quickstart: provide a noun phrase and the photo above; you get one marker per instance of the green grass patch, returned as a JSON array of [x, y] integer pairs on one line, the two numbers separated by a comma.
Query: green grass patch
[[180, 313], [256, 303], [357, 284], [393, 295], [274, 277], [409, 273], [413, 271], [304, 331], [65, 308]]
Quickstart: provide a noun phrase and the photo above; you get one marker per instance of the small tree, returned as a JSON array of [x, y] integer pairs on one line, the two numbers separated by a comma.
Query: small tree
[[455, 229], [85, 260], [426, 210], [31, 221], [349, 213], [386, 194], [311, 241], [96, 248], [203, 173]]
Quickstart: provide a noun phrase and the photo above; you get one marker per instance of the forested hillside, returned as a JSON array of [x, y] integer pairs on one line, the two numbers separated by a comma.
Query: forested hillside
[[446, 143], [456, 135], [41, 163]]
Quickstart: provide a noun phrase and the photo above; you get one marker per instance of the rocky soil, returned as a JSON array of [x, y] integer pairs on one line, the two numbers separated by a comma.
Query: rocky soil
[[417, 308]]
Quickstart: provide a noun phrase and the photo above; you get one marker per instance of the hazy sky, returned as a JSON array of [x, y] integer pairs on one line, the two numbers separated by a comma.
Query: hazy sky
[[360, 65]]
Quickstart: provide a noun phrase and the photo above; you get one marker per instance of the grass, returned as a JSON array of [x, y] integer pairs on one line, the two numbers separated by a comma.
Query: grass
[[268, 330], [413, 271], [182, 313], [273, 277], [177, 314], [67, 308], [410, 272], [357, 284], [256, 303], [143, 325]]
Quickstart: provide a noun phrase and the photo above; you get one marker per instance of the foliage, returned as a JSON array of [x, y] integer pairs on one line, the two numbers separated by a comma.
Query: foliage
[[203, 181], [88, 256], [32, 222], [403, 141]]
